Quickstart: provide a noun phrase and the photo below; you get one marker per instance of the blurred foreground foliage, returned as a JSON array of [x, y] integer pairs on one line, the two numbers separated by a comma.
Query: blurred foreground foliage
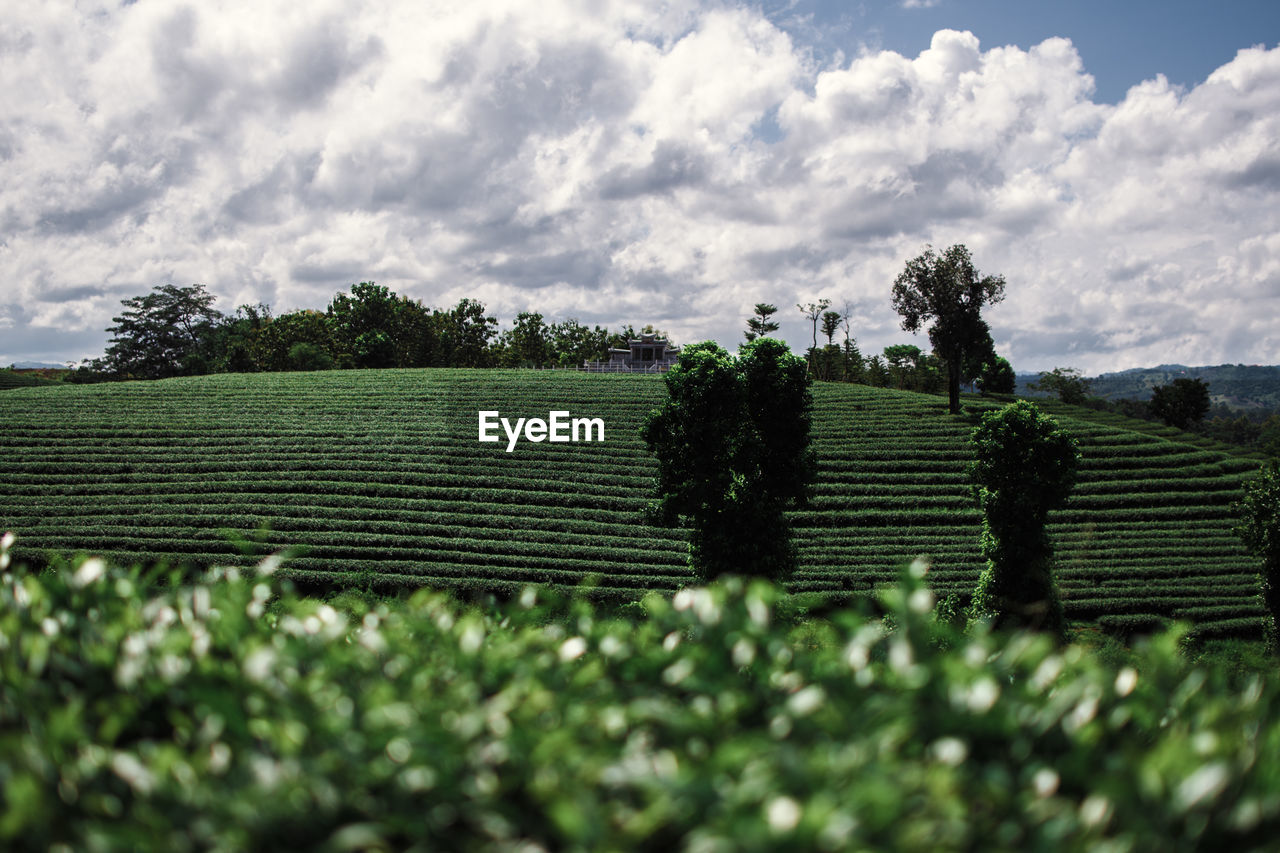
[[139, 712]]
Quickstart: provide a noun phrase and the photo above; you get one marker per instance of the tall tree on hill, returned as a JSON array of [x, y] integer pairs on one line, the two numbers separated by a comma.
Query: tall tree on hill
[[851, 357], [1025, 466], [760, 326], [732, 443], [165, 333], [813, 313], [946, 289], [1181, 403], [830, 325]]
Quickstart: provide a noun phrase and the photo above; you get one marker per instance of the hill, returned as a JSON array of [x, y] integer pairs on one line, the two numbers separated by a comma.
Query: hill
[[1240, 386], [22, 379], [380, 477]]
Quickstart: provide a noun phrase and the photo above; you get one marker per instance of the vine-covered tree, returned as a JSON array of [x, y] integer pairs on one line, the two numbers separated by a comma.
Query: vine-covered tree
[[732, 443], [164, 333], [760, 326], [1181, 403], [947, 290], [1260, 529], [1025, 466]]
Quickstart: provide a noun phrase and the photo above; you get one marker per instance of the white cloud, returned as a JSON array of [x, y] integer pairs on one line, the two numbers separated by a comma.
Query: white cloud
[[600, 161]]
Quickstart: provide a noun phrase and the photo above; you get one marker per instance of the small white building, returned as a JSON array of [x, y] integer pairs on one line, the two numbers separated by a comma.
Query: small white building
[[648, 353]]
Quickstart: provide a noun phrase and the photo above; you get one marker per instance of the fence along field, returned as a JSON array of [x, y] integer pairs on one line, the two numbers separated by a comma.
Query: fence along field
[[379, 478]]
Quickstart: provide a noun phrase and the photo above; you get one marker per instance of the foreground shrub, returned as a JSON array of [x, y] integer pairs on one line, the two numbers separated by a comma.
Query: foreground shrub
[[233, 715]]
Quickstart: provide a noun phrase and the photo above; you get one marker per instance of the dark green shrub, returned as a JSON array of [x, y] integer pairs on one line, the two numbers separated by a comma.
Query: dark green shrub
[[1260, 530]]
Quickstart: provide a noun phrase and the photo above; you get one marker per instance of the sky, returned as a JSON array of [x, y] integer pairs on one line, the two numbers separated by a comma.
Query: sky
[[674, 163]]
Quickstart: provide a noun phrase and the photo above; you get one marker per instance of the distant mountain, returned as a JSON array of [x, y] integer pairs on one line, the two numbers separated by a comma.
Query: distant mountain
[[39, 365], [1240, 386]]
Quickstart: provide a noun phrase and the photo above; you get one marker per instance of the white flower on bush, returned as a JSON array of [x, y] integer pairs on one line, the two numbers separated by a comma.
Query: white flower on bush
[[783, 814], [90, 571]]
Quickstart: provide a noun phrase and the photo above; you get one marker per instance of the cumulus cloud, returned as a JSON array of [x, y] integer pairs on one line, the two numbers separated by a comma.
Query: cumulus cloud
[[604, 161]]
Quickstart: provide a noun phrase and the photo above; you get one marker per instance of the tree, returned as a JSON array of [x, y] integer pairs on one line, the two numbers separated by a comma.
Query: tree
[[732, 443], [364, 325], [1181, 403], [830, 325], [470, 331], [850, 355], [528, 343], [1025, 466], [309, 356], [997, 377], [876, 372], [911, 369], [232, 340], [165, 333], [947, 290], [572, 343], [983, 352], [760, 326], [1066, 382], [273, 347], [1259, 528], [813, 313]]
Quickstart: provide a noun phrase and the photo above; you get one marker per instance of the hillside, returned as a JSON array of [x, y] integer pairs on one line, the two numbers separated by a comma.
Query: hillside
[[1240, 386], [380, 477], [22, 379]]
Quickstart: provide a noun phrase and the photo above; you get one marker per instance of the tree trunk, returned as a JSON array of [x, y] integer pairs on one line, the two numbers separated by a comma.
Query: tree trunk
[[953, 385]]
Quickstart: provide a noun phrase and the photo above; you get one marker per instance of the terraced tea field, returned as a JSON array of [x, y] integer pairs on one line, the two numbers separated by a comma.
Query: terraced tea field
[[379, 478]]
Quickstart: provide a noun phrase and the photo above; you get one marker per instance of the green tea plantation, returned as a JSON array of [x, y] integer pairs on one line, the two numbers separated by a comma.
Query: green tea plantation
[[377, 479]]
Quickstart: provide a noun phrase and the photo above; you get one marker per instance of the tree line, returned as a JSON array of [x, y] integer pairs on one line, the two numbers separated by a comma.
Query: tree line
[[944, 289], [176, 331], [1182, 403]]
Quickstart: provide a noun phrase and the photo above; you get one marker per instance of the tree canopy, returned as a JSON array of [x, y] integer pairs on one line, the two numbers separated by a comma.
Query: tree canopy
[[760, 326], [947, 290], [162, 333], [1181, 403]]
